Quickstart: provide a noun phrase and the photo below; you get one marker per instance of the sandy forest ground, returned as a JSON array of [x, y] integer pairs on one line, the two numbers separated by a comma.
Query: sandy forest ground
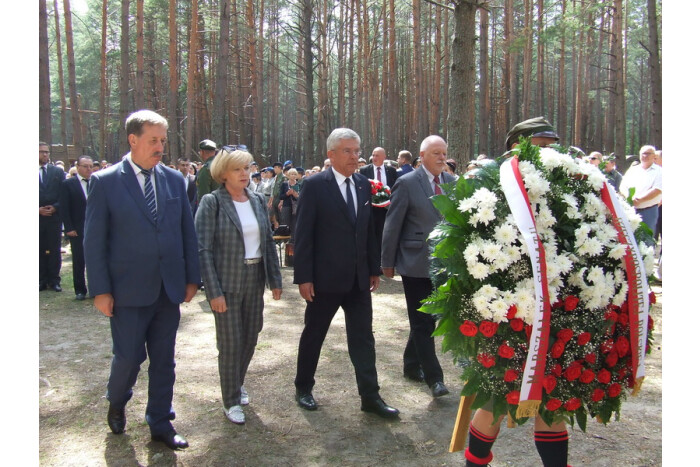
[[75, 353]]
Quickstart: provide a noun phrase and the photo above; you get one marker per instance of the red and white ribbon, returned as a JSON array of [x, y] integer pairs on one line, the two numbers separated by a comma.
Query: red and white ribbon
[[519, 204], [638, 288]]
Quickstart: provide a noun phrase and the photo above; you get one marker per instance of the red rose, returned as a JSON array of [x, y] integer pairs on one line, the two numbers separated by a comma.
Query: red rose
[[552, 404], [506, 351], [652, 298], [625, 307], [591, 358], [565, 334], [557, 348], [517, 324], [623, 319], [570, 303], [556, 370], [607, 345], [487, 360], [597, 395], [549, 382], [584, 338], [572, 404], [573, 371], [622, 346], [557, 304], [528, 330], [610, 315], [611, 359], [603, 376], [488, 328], [614, 390], [587, 376], [650, 323], [513, 397], [468, 328], [510, 376], [622, 373], [512, 310]]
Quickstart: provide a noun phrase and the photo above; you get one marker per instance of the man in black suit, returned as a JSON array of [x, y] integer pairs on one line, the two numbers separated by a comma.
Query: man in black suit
[[337, 265], [50, 178], [377, 170], [73, 198], [183, 165]]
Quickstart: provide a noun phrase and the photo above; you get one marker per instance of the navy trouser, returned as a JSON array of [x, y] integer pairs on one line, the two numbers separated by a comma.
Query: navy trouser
[[138, 332]]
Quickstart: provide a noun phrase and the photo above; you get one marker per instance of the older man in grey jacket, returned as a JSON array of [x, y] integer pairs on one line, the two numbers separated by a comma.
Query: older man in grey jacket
[[410, 220]]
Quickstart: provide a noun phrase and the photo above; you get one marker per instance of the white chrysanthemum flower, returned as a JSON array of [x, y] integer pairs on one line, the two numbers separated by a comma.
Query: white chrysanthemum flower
[[501, 262], [499, 310], [551, 158], [485, 215], [485, 196], [491, 250], [471, 253], [592, 246], [481, 304], [505, 234], [466, 204], [618, 251], [479, 271], [488, 291], [595, 274], [564, 264]]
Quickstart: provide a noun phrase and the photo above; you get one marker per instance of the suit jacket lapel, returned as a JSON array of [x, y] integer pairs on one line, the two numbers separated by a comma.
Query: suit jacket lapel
[[161, 191], [425, 183], [362, 197], [132, 187], [226, 204], [337, 197]]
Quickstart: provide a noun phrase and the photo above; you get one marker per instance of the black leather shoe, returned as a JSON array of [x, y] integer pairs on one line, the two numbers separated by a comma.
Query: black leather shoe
[[172, 440], [116, 419], [306, 400], [439, 389], [414, 375], [80, 296], [379, 407], [57, 288]]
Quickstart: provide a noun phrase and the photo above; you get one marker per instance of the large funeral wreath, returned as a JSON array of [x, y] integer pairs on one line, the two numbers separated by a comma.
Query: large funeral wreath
[[590, 322]]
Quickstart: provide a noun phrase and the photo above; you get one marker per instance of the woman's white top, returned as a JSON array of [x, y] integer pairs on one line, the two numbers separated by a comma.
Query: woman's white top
[[251, 230]]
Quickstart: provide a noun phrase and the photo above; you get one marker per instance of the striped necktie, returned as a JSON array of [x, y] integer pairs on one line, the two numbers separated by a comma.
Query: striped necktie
[[149, 193], [438, 191]]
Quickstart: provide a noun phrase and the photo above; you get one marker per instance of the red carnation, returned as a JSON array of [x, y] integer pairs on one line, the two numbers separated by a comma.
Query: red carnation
[[549, 382], [652, 298], [565, 334], [556, 370], [487, 360], [603, 376], [622, 345], [552, 404], [597, 395], [557, 304], [528, 331], [625, 307], [513, 397], [506, 351], [572, 404], [517, 324], [583, 338], [650, 323], [611, 315], [611, 359], [557, 348], [623, 319], [488, 328], [510, 376], [607, 345], [591, 358], [468, 328], [573, 371], [570, 303], [512, 310], [614, 390], [587, 376]]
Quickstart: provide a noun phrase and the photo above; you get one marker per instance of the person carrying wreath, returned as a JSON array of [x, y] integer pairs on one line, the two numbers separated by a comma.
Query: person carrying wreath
[[552, 441], [238, 258]]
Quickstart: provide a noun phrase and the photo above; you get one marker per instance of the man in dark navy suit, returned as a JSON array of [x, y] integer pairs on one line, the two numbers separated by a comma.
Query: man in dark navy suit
[[337, 265], [73, 198], [50, 178], [142, 262], [183, 165]]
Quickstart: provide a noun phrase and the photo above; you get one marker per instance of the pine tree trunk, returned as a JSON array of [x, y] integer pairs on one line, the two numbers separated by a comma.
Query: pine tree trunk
[[655, 71], [102, 150], [527, 60], [220, 104], [44, 76], [61, 85], [75, 106], [173, 81], [619, 81], [561, 85], [191, 82], [124, 106], [139, 84], [484, 88]]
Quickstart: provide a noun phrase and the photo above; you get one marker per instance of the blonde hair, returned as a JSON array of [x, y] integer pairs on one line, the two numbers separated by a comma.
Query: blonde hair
[[225, 161]]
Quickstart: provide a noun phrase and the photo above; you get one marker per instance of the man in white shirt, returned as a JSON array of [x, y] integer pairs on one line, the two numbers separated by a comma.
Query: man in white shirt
[[645, 178]]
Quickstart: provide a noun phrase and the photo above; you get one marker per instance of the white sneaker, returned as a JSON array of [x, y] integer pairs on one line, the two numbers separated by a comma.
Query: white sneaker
[[235, 414], [245, 398]]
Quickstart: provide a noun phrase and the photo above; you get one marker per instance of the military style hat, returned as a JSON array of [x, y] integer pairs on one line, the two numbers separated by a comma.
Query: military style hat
[[207, 144], [537, 126]]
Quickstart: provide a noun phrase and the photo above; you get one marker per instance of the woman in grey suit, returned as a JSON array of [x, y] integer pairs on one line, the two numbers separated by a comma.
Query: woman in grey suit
[[237, 257]]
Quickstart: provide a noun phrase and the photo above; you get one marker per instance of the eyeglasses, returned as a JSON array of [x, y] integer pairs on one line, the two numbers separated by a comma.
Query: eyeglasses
[[348, 152], [235, 147]]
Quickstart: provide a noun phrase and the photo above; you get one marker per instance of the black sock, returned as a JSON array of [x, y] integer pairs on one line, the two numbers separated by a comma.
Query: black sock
[[479, 451], [553, 447]]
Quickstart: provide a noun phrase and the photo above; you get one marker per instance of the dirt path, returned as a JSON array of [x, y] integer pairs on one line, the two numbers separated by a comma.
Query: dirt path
[[75, 353]]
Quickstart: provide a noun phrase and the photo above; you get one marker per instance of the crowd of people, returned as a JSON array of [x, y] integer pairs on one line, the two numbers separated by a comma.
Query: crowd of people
[[150, 236]]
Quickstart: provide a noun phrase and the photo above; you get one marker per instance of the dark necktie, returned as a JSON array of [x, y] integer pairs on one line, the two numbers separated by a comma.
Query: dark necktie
[[149, 193], [43, 175], [379, 174], [438, 191], [87, 184], [348, 199]]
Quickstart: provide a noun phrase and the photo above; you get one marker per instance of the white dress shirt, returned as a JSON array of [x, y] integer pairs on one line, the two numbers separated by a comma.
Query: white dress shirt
[[340, 179], [141, 178]]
